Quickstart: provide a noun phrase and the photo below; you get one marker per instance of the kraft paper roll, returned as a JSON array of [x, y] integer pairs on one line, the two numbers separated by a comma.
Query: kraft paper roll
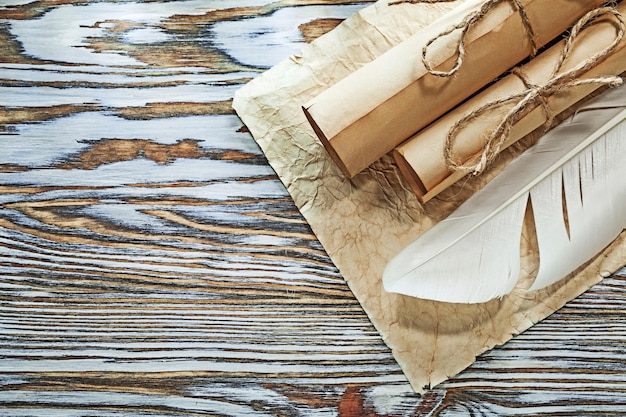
[[421, 158], [374, 109]]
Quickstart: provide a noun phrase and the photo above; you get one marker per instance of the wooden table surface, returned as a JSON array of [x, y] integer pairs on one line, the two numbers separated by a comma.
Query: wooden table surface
[[152, 264]]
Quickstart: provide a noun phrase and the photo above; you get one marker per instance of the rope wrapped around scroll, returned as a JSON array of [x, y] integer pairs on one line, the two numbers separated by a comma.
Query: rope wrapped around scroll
[[464, 26], [535, 95]]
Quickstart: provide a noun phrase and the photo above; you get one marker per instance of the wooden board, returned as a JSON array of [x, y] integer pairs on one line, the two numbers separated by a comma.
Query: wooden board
[[151, 263]]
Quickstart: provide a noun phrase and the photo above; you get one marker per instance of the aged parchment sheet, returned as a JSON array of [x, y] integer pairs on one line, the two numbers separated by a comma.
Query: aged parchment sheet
[[365, 221]]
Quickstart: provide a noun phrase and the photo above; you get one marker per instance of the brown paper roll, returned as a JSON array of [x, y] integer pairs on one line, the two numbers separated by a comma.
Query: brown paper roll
[[421, 158], [374, 109]]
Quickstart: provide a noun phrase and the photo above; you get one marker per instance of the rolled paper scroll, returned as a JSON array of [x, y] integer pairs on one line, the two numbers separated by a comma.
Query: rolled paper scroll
[[374, 109], [422, 159]]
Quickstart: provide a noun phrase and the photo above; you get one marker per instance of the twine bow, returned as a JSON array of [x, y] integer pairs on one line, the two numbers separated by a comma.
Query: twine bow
[[464, 26], [535, 95]]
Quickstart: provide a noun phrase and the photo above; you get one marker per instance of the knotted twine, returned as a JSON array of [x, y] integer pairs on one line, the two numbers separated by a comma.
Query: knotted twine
[[535, 95], [464, 26]]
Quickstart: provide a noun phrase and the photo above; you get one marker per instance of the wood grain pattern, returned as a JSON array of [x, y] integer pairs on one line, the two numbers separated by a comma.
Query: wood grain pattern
[[151, 263]]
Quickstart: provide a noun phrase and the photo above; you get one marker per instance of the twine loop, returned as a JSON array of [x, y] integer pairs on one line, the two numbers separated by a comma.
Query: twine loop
[[464, 26], [535, 95]]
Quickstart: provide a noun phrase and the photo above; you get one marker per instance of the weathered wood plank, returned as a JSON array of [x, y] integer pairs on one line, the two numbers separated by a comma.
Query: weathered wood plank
[[151, 263]]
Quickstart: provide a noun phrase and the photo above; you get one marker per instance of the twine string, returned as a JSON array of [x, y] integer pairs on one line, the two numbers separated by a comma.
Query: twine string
[[464, 26], [535, 95]]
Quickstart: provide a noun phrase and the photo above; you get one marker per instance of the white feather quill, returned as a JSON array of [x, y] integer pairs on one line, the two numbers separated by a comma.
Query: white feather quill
[[578, 168]]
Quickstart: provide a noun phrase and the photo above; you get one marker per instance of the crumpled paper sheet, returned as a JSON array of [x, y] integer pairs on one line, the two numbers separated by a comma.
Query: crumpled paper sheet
[[362, 223]]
